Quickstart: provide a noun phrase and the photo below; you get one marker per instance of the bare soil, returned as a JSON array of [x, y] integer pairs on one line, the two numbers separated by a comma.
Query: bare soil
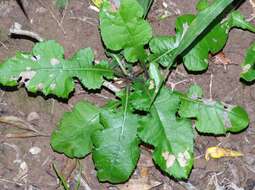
[[77, 28]]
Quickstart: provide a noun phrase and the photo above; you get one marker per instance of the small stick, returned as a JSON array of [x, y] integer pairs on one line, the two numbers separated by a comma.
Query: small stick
[[16, 29], [111, 87], [4, 45], [210, 86], [84, 19], [54, 17]]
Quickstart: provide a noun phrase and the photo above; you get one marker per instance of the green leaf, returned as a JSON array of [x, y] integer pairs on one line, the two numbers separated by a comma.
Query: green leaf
[[61, 4], [211, 116], [155, 75], [159, 45], [46, 70], [171, 137], [214, 41], [73, 135], [141, 96], [202, 4], [196, 28], [116, 149], [125, 28], [248, 66], [145, 4]]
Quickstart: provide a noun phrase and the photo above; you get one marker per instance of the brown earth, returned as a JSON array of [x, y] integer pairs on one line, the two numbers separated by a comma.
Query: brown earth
[[79, 28]]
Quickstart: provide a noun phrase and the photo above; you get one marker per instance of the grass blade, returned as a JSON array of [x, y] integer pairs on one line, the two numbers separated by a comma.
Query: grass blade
[[197, 27]]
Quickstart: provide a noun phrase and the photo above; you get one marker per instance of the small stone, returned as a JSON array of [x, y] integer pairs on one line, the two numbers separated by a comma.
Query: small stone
[[35, 150]]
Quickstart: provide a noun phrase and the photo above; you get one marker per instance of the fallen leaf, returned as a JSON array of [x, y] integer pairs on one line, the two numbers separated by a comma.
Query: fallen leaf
[[221, 59], [218, 152], [144, 172], [97, 3]]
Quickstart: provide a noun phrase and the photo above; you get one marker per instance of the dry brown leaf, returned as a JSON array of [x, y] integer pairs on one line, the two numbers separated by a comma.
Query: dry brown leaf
[[144, 172], [221, 59]]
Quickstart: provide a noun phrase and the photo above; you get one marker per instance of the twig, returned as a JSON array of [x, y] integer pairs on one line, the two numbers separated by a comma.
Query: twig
[[210, 86], [19, 123], [111, 87], [54, 17], [16, 29], [84, 19], [4, 45], [12, 182], [52, 106], [174, 84], [64, 14]]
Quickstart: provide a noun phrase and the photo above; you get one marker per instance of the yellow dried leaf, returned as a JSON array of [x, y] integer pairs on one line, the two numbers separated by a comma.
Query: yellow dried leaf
[[97, 3], [218, 152]]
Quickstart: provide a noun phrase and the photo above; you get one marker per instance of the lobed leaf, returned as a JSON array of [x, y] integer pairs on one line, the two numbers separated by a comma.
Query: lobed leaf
[[73, 134], [192, 32], [124, 28], [171, 137], [211, 116], [46, 70], [197, 58]]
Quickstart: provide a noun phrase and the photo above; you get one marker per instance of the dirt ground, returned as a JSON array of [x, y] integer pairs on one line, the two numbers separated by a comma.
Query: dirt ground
[[26, 163]]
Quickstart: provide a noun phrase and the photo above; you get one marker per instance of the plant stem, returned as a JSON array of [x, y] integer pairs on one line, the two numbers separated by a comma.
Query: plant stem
[[123, 69]]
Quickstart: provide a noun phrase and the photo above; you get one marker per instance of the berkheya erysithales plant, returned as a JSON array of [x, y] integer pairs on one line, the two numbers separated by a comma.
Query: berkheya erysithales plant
[[113, 133]]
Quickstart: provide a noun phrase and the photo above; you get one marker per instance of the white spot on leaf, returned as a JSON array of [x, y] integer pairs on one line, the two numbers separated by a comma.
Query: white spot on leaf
[[246, 68], [183, 158], [227, 122], [185, 29], [40, 86], [54, 61], [28, 68], [53, 86], [169, 158], [152, 85], [26, 76], [209, 102]]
